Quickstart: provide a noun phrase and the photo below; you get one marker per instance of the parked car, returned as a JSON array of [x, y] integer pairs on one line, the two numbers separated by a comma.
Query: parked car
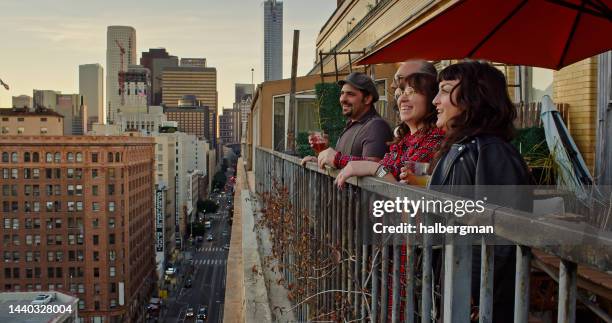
[[42, 299], [202, 313], [189, 312], [188, 283], [226, 247], [210, 237], [200, 238], [170, 271]]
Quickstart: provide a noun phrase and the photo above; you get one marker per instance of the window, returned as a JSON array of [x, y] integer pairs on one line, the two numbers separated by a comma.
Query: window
[[5, 157], [96, 256], [95, 239], [20, 119], [112, 271], [58, 157], [111, 206], [20, 130], [111, 189], [14, 173], [110, 157], [95, 222], [96, 272], [78, 173], [26, 157], [79, 190], [382, 106], [112, 255], [279, 123], [43, 119], [117, 157], [49, 157], [5, 130], [111, 222], [43, 131], [79, 157], [70, 157], [111, 238], [94, 157], [70, 173], [94, 173], [35, 173], [94, 190], [95, 206], [14, 157], [35, 157]]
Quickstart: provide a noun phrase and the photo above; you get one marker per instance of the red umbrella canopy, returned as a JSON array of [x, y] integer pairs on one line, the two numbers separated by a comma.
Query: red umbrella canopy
[[543, 33]]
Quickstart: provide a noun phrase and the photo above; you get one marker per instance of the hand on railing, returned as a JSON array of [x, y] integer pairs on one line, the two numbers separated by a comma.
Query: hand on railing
[[326, 157]]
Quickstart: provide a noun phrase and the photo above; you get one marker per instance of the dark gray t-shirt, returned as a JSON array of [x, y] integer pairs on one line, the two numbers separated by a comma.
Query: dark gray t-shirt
[[366, 137]]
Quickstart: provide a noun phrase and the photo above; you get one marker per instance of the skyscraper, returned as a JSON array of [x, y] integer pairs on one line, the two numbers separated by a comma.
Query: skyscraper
[[273, 40], [156, 59], [117, 38], [91, 89]]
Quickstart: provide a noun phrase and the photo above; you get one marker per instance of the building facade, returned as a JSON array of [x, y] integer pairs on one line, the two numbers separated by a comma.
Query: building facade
[[137, 87], [45, 99], [193, 62], [26, 122], [74, 112], [273, 40], [117, 37], [192, 119], [91, 88], [22, 101], [180, 81], [229, 126], [77, 216], [156, 60]]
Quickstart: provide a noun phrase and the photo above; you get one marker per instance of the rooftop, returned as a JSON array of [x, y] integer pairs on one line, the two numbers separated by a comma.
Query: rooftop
[[29, 113]]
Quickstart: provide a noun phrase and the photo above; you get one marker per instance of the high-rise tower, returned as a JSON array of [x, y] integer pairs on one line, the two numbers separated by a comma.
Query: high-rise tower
[[273, 40], [120, 49], [91, 89]]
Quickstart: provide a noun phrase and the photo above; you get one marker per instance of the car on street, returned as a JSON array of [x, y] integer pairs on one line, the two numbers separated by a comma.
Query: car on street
[[200, 238], [42, 299], [189, 312], [226, 247], [188, 283], [202, 313], [170, 271], [210, 237]]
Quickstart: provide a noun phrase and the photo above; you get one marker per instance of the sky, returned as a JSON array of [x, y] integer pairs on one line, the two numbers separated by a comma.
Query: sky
[[44, 42]]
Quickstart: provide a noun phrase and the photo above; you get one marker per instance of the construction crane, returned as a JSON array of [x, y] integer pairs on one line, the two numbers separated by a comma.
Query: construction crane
[[121, 74], [4, 84]]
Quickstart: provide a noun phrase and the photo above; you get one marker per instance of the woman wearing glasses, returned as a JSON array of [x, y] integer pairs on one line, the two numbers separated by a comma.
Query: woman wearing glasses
[[416, 138]]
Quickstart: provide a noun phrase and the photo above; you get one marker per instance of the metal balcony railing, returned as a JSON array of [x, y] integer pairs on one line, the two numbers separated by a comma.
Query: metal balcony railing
[[362, 279]]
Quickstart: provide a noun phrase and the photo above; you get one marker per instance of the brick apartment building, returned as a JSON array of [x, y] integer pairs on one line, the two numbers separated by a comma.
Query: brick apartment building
[[77, 216]]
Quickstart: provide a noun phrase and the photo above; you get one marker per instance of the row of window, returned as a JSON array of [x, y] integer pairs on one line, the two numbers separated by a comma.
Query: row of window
[[53, 173], [53, 239], [54, 272], [56, 157], [55, 256], [71, 190], [35, 223], [53, 206], [21, 130]]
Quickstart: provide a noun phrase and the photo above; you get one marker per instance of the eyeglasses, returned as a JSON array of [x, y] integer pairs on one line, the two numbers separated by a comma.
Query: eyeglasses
[[407, 91]]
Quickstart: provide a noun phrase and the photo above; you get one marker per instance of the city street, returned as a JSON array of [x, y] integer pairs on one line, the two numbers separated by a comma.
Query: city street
[[207, 270]]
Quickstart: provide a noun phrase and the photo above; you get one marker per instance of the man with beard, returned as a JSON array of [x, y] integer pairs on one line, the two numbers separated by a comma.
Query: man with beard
[[366, 134]]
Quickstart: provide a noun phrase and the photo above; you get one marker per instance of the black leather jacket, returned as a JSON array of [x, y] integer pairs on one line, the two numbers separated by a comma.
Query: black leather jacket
[[488, 166], [473, 166]]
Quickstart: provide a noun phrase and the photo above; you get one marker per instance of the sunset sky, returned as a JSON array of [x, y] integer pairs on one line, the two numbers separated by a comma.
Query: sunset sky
[[44, 42]]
